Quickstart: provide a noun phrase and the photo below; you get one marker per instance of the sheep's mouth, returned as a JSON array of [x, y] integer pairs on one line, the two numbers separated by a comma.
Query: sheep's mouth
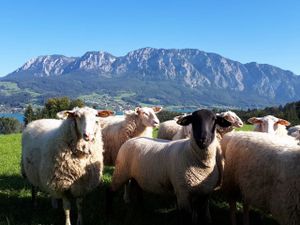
[[81, 148], [238, 125]]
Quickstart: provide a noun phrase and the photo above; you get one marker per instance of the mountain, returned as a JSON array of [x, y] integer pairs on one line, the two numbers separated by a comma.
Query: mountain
[[175, 77]]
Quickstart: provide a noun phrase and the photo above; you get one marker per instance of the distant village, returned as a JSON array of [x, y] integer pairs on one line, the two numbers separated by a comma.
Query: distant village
[[7, 109]]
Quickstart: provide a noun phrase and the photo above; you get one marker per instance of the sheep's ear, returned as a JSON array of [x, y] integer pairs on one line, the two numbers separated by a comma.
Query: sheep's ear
[[283, 122], [128, 112], [157, 109], [105, 113], [137, 110], [184, 121], [229, 117], [254, 120], [179, 116], [222, 122], [65, 114]]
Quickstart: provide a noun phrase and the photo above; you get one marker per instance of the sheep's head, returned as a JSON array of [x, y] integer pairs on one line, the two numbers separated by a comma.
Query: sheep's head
[[204, 124], [86, 120], [148, 115], [232, 118], [268, 124]]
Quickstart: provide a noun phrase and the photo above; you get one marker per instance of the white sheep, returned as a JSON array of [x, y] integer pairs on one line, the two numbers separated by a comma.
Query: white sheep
[[263, 169], [294, 131], [182, 131], [270, 124], [135, 123], [187, 168], [168, 129], [231, 117], [64, 157]]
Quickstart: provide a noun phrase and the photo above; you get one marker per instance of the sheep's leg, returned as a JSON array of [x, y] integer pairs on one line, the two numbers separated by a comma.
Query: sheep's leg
[[232, 206], [67, 208], [33, 196], [184, 208], [54, 203], [207, 214], [246, 213], [200, 209], [127, 192], [135, 188], [79, 202], [108, 201]]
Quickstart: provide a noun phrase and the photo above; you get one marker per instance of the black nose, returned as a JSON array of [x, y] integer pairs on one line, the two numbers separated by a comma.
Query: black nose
[[203, 142], [86, 137]]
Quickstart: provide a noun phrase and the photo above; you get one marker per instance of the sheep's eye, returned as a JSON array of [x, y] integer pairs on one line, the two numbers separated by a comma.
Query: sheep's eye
[[146, 114], [97, 122]]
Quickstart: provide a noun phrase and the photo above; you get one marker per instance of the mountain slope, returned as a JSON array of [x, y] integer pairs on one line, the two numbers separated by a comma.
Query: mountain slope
[[182, 77]]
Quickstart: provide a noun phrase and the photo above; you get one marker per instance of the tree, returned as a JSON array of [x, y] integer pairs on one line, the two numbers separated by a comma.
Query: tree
[[9, 125], [28, 115], [51, 108], [76, 102]]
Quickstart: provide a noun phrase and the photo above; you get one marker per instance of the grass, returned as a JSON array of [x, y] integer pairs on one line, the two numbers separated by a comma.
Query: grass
[[15, 200], [246, 127]]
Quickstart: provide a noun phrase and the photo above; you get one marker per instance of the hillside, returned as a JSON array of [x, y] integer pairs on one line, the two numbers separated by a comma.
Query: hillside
[[182, 78]]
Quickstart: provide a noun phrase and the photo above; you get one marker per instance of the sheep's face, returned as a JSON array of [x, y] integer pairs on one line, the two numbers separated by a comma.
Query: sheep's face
[[203, 126], [86, 121], [267, 124], [232, 118], [148, 115]]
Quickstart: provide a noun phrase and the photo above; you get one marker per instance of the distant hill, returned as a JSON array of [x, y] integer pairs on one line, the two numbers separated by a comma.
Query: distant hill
[[183, 78]]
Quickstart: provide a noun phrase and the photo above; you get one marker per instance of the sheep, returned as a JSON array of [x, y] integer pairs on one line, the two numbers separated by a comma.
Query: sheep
[[270, 124], [263, 169], [187, 168], [135, 123], [184, 132], [294, 131], [233, 119], [64, 157], [168, 129]]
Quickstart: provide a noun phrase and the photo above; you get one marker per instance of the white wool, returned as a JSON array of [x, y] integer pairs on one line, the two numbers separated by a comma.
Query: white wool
[[57, 160], [264, 169], [117, 131]]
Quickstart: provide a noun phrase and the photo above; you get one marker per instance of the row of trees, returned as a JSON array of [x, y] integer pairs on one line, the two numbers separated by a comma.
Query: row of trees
[[51, 108], [290, 112]]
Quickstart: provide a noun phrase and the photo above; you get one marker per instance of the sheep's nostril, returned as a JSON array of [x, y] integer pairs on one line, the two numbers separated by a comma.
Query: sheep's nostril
[[86, 137]]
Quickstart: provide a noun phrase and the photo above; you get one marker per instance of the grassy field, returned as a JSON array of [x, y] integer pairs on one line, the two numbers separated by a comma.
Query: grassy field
[[15, 202]]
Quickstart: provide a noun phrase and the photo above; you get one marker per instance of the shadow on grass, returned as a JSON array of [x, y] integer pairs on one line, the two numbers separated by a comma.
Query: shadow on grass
[[16, 208], [13, 182]]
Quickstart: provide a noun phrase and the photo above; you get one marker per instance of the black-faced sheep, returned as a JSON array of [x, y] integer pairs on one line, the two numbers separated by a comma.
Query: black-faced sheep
[[187, 168], [170, 130]]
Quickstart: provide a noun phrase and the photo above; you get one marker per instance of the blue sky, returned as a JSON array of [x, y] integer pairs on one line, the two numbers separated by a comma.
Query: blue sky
[[264, 31]]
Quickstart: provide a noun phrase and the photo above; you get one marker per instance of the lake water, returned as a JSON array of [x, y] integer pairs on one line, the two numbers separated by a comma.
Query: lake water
[[18, 116]]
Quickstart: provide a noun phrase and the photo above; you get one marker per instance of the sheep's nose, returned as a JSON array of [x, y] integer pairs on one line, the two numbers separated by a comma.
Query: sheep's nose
[[86, 137], [203, 142], [156, 123], [240, 124]]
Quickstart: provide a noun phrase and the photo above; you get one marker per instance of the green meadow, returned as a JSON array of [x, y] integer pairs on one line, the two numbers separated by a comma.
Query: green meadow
[[16, 208]]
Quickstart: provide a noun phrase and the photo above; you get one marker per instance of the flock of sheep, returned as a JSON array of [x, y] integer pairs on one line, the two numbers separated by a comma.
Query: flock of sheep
[[194, 155]]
